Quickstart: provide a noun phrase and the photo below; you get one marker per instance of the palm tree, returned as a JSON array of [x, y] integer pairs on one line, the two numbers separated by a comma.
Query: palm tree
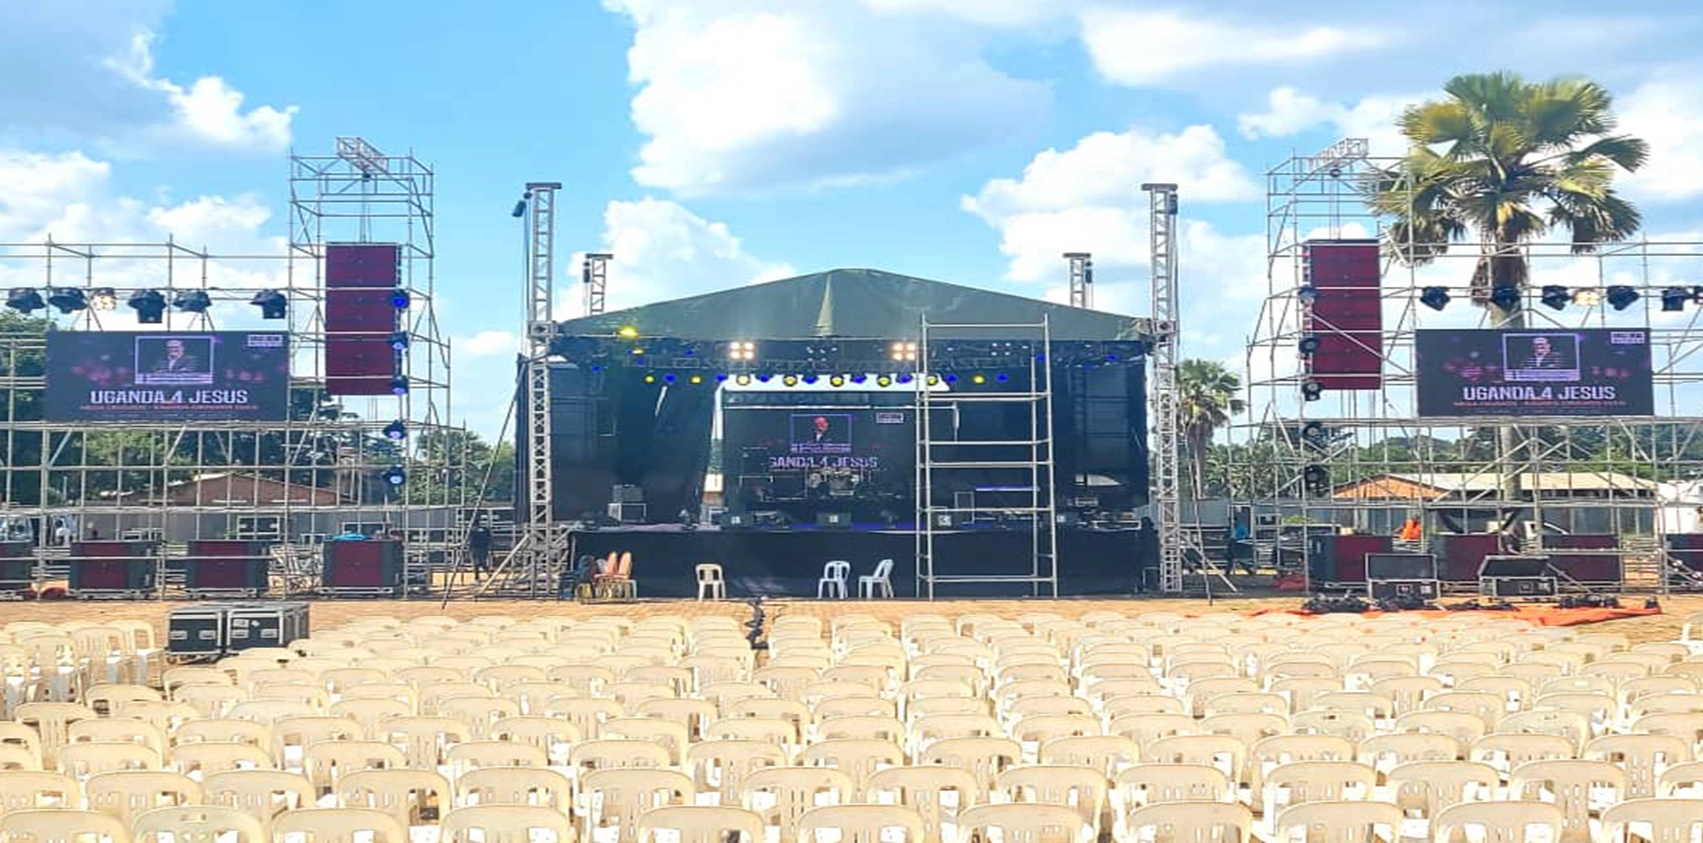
[[1206, 396], [1506, 162]]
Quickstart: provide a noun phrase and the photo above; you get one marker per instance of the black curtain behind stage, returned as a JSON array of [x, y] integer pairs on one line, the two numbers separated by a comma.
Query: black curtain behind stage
[[787, 563]]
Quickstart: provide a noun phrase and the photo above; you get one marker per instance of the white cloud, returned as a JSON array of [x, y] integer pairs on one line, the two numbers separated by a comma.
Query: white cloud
[[1087, 198], [1667, 111], [1137, 47], [664, 251], [84, 70], [487, 343], [1001, 13], [68, 197], [1290, 112], [751, 94]]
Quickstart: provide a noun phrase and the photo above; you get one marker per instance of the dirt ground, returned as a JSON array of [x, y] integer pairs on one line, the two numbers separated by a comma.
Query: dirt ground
[[328, 614]]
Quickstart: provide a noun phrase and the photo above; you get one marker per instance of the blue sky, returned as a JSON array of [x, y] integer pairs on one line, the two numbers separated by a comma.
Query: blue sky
[[711, 143]]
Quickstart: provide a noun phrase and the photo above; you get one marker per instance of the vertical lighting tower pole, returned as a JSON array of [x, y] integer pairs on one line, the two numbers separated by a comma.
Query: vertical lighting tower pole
[[1167, 447], [543, 534], [594, 273], [1081, 279]]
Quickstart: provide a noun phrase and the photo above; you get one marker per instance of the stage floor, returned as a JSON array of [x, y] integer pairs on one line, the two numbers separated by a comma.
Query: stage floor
[[788, 563]]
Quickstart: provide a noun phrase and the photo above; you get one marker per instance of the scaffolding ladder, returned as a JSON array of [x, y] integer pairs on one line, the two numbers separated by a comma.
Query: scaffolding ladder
[[944, 461]]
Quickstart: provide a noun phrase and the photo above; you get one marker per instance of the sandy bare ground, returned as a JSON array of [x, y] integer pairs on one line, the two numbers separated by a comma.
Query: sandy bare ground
[[328, 614]]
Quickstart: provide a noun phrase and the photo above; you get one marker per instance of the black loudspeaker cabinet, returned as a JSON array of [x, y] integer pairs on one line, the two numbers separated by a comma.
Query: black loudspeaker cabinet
[[369, 567]]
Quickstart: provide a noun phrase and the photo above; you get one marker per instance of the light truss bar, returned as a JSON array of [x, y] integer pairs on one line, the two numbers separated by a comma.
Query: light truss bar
[[594, 275], [1081, 279]]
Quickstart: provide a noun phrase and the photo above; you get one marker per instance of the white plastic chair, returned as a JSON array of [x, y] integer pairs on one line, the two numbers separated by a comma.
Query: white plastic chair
[[880, 580], [833, 581], [711, 586]]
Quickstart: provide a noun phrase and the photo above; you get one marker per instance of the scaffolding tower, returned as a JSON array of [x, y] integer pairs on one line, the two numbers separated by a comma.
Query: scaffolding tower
[[945, 463], [1374, 462], [291, 482]]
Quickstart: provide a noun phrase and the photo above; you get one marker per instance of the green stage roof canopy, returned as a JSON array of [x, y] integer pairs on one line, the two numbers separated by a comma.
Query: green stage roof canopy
[[851, 303]]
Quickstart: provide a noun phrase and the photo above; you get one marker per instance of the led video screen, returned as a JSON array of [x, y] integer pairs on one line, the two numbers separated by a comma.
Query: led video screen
[[1534, 372], [154, 376]]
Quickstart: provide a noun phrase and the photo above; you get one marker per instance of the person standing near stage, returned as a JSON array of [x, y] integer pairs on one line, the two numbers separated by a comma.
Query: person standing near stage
[[479, 548]]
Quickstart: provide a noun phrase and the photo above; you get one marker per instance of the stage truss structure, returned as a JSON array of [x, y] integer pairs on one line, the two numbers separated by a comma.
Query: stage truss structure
[[1580, 474], [937, 459], [293, 482]]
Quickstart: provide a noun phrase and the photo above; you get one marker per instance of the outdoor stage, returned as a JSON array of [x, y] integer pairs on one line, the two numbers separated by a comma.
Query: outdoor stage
[[788, 563]]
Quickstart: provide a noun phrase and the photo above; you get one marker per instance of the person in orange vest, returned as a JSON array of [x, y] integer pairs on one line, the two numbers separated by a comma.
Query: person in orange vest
[[1409, 529]]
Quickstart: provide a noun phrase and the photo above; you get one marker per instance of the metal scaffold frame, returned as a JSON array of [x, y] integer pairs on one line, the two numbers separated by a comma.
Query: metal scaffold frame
[[946, 456], [1581, 474], [127, 480]]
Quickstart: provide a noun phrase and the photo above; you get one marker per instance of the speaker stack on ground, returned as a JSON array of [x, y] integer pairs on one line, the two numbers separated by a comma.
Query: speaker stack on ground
[[112, 569], [1335, 560], [17, 570], [367, 568], [226, 568]]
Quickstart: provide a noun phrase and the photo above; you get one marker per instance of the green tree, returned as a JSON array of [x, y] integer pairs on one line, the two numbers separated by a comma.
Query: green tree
[[1503, 162], [1207, 398]]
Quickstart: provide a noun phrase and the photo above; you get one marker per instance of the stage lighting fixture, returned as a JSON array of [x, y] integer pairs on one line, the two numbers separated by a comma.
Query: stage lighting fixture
[[904, 351], [933, 380], [394, 476], [272, 304], [25, 300], [789, 380], [1307, 294], [1435, 298], [399, 385], [837, 381], [905, 378], [1309, 345], [741, 351], [978, 379], [1506, 297], [149, 305], [669, 378], [763, 377], [650, 378], [627, 332], [103, 298], [743, 380], [1673, 299], [720, 377], [810, 379], [400, 299], [67, 299], [859, 378], [883, 381], [1555, 296], [399, 341], [1313, 433], [951, 378], [193, 301], [1587, 296], [1317, 479], [1312, 390], [396, 431], [1621, 296], [696, 379], [1003, 377], [520, 206]]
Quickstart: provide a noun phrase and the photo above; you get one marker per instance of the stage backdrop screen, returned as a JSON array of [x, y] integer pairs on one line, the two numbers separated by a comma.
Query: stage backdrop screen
[[1534, 372], [167, 376]]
